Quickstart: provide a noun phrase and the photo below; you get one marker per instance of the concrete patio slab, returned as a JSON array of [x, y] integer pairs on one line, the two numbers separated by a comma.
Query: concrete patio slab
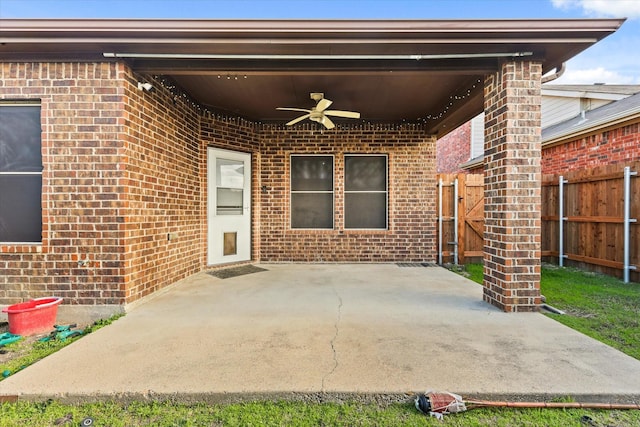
[[329, 330]]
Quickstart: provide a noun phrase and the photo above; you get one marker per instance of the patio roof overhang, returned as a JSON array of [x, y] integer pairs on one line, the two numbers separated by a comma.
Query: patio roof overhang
[[392, 71]]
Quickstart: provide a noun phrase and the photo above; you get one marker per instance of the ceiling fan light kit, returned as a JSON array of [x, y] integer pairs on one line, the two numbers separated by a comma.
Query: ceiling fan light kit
[[319, 112]]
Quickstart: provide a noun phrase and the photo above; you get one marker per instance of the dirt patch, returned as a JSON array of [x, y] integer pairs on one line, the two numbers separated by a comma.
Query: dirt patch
[[580, 313]]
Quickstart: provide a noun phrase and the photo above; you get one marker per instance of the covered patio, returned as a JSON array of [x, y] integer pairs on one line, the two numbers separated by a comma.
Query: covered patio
[[131, 109], [329, 332]]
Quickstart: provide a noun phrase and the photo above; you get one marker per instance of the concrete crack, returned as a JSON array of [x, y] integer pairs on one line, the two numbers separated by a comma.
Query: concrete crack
[[336, 325]]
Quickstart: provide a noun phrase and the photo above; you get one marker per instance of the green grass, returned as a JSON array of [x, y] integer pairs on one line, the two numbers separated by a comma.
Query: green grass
[[292, 414], [40, 350], [599, 306], [474, 272]]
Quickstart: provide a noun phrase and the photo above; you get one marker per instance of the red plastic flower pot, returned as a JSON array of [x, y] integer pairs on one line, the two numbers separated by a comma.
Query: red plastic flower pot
[[33, 317]]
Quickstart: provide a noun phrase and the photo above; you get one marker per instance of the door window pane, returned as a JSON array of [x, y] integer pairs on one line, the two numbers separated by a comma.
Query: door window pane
[[229, 201], [311, 191], [20, 174], [365, 196], [230, 173], [230, 187]]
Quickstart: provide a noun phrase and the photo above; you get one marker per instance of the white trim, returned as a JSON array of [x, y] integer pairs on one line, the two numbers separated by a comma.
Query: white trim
[[21, 173], [21, 102], [410, 57], [583, 94]]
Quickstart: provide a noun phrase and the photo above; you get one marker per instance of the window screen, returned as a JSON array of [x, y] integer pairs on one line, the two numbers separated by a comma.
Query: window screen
[[20, 174], [311, 191], [365, 195]]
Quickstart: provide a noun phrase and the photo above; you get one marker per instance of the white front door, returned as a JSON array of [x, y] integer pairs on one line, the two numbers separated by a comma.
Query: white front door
[[229, 206]]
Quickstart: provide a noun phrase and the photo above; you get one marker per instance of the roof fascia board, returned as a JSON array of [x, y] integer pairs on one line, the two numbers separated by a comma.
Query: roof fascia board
[[312, 25], [583, 94], [80, 28]]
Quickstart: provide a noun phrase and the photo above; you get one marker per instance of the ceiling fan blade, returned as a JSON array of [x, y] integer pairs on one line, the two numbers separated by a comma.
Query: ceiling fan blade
[[323, 104], [340, 113], [326, 121], [293, 109], [299, 119]]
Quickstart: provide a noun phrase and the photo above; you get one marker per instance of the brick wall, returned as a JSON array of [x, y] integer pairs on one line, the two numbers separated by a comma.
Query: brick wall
[[412, 197], [124, 169], [81, 184], [163, 173], [454, 149], [512, 187], [617, 145]]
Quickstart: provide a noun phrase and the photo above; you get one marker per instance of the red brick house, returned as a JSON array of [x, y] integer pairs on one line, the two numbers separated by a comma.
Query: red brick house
[[607, 135], [136, 153], [583, 126]]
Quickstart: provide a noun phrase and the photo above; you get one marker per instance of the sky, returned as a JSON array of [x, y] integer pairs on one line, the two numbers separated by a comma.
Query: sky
[[614, 60]]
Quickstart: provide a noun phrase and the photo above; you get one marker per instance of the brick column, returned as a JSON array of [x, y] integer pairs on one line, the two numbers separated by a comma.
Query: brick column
[[512, 187]]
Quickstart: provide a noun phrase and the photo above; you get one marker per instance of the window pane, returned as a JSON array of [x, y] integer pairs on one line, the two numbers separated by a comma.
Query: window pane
[[229, 173], [229, 201], [365, 173], [365, 210], [20, 208], [311, 173], [313, 210], [20, 139]]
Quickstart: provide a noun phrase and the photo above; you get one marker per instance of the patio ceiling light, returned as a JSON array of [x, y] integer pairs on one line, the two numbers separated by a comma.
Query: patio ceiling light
[[416, 57]]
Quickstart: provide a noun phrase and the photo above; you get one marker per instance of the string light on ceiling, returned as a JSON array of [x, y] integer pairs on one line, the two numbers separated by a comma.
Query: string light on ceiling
[[452, 101], [178, 94], [231, 77]]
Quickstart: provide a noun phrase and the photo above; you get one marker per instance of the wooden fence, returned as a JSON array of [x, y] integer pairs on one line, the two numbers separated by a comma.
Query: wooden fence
[[594, 219], [593, 228]]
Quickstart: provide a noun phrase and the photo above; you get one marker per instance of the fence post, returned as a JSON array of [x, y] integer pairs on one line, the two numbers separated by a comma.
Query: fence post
[[561, 219], [627, 221], [462, 215], [455, 221], [440, 221]]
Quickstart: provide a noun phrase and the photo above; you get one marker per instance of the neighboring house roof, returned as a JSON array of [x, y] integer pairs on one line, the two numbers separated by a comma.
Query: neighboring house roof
[[606, 116]]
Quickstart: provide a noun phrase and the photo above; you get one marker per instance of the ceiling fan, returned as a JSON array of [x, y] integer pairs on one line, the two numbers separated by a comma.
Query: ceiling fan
[[319, 113]]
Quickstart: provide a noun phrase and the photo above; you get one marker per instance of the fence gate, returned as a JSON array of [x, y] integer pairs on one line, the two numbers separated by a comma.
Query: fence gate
[[461, 218]]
